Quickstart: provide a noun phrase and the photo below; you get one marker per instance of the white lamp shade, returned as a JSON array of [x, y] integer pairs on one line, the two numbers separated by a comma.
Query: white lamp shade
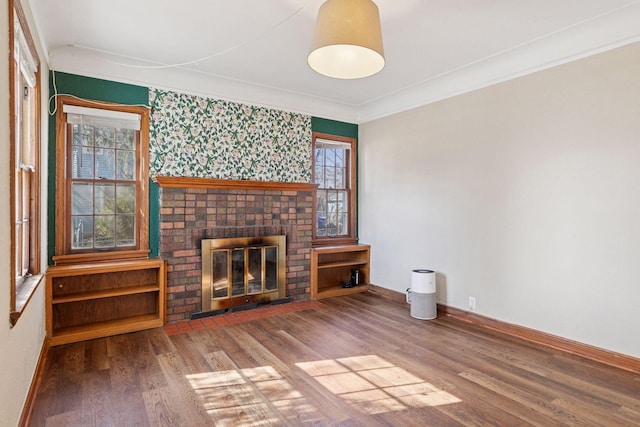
[[347, 42]]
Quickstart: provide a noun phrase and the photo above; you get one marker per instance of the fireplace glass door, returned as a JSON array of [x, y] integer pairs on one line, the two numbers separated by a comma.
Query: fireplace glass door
[[244, 271], [220, 274], [271, 268]]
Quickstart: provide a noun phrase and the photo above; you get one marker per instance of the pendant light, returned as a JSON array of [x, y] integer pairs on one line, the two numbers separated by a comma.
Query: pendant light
[[347, 42]]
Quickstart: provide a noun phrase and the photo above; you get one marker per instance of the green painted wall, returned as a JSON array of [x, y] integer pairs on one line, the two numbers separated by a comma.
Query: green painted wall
[[99, 90], [334, 127]]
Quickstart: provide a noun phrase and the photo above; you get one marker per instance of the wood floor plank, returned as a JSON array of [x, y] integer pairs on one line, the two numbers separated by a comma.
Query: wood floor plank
[[342, 343], [129, 408], [358, 360], [160, 409], [182, 394], [232, 395], [189, 353], [118, 345], [629, 414], [531, 400], [97, 400], [96, 356], [148, 371], [122, 373], [600, 414], [282, 385], [278, 352], [65, 419], [595, 373], [589, 392], [371, 336], [66, 394], [159, 341]]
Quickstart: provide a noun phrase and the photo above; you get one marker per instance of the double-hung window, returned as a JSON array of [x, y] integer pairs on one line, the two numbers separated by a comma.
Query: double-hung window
[[103, 185], [334, 173], [24, 163]]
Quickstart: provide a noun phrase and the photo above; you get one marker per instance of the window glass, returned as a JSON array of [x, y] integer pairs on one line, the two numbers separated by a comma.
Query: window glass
[[334, 201], [102, 193], [103, 186], [25, 164]]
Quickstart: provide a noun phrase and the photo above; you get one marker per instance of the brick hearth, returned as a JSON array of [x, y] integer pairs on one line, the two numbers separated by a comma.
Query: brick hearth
[[193, 209]]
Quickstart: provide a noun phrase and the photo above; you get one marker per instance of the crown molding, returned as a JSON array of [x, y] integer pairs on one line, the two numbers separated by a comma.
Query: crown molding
[[90, 63], [593, 36], [600, 34]]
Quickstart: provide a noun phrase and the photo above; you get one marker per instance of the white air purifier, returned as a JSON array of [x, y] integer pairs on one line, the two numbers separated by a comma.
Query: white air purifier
[[422, 294]]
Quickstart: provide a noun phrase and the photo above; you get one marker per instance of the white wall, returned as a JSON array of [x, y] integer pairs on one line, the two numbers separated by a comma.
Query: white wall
[[19, 346], [525, 195]]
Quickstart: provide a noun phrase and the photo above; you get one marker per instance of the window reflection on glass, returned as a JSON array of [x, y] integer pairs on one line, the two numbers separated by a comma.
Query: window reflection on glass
[[271, 268], [254, 270], [125, 230], [82, 162], [103, 188], [332, 212], [105, 137], [105, 231], [125, 198], [105, 202], [332, 196], [105, 163], [220, 279], [82, 231], [237, 272], [125, 164], [125, 139], [82, 198]]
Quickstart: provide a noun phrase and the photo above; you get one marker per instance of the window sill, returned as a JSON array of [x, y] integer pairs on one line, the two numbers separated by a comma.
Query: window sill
[[100, 256], [334, 241], [24, 292]]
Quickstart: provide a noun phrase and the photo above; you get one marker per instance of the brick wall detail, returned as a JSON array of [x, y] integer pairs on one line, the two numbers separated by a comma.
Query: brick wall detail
[[188, 215]]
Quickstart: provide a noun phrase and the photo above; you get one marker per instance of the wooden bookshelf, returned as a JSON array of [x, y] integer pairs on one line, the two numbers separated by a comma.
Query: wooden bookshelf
[[331, 266], [93, 300]]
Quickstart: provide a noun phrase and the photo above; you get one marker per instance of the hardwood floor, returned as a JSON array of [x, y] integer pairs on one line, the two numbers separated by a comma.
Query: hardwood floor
[[357, 360]]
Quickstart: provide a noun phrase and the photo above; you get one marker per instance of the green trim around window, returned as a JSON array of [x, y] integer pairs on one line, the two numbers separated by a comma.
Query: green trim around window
[[349, 130], [99, 90], [334, 127]]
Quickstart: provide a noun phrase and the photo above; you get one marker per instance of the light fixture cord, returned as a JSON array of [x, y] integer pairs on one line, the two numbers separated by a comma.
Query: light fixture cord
[[53, 110], [204, 58]]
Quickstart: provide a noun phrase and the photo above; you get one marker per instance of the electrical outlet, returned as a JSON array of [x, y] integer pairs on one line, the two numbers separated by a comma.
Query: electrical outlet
[[472, 303]]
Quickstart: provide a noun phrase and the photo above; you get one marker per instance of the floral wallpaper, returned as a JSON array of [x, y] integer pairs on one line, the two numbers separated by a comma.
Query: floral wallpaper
[[200, 137]]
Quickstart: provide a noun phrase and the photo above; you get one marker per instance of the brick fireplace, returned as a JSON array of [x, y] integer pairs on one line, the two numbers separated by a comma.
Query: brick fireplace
[[192, 209]]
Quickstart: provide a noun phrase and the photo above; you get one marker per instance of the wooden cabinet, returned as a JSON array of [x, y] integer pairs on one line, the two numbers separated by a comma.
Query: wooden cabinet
[[86, 301], [331, 266]]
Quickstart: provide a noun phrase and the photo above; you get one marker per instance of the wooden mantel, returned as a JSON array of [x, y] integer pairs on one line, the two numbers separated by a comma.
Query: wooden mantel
[[184, 182]]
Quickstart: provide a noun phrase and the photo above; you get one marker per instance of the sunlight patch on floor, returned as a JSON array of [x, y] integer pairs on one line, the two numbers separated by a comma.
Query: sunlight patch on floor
[[374, 385], [256, 396]]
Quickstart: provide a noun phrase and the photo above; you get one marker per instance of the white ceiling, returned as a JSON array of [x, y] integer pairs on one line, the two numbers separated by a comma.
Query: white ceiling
[[255, 51]]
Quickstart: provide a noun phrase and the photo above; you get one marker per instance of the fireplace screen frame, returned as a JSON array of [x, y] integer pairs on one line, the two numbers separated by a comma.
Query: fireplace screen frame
[[231, 246]]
